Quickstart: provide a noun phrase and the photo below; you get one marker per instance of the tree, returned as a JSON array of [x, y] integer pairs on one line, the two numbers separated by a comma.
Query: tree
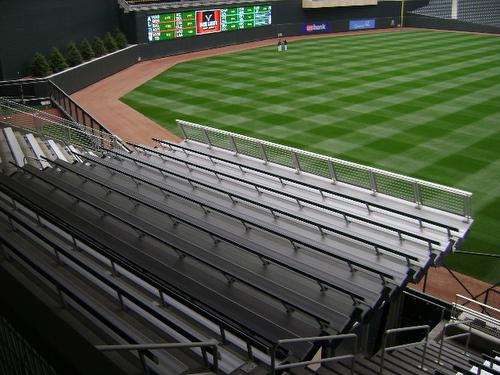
[[99, 47], [109, 42], [57, 60], [73, 56], [120, 38], [86, 50], [40, 66]]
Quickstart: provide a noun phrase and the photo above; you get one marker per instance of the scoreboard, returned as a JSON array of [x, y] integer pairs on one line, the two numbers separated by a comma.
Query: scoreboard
[[182, 24]]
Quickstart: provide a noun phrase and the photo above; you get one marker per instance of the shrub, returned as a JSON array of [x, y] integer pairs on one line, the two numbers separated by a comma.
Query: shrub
[[40, 66], [73, 56], [86, 50], [120, 38], [99, 47], [109, 42], [57, 60]]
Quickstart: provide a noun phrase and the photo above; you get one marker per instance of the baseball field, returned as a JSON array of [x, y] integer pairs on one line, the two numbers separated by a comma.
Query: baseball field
[[421, 103]]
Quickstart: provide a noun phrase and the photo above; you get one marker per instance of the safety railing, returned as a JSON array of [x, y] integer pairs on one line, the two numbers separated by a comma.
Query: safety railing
[[327, 343], [386, 348], [444, 338], [377, 181], [488, 314], [143, 348], [80, 116], [18, 115]]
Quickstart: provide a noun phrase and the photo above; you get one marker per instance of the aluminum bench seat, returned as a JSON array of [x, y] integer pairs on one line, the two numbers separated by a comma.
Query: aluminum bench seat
[[329, 314], [78, 292], [275, 183], [271, 255], [363, 249], [406, 209], [101, 277], [201, 290]]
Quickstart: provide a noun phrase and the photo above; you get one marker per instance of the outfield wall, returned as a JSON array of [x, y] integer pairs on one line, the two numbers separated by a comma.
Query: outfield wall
[[31, 26], [289, 19]]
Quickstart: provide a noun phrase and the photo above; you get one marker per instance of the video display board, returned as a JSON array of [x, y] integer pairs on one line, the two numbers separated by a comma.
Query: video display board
[[199, 22]]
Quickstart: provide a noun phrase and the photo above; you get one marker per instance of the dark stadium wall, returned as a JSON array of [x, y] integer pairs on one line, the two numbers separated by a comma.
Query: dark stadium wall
[[30, 26]]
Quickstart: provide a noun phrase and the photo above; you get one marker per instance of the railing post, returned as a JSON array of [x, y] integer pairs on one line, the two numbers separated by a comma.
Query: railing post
[[142, 358], [215, 363], [273, 360], [233, 144], [467, 208], [333, 171], [263, 153], [209, 142], [183, 131], [295, 161], [382, 354], [373, 182], [424, 352], [417, 194]]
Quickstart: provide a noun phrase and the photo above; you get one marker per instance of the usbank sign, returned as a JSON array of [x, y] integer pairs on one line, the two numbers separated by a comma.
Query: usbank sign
[[317, 27]]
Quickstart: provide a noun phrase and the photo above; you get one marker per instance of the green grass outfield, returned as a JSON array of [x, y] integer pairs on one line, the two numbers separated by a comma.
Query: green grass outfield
[[421, 103]]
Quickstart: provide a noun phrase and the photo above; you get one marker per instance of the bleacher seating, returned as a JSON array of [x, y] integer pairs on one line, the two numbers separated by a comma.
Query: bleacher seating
[[436, 8], [189, 243], [484, 12]]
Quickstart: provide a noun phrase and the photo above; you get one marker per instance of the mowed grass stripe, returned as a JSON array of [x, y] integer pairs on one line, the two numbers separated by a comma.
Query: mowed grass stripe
[[421, 103]]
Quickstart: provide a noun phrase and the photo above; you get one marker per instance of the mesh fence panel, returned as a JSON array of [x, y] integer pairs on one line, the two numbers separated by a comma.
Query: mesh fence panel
[[220, 140], [248, 147], [195, 134], [313, 165], [395, 187], [442, 200], [352, 175], [279, 156]]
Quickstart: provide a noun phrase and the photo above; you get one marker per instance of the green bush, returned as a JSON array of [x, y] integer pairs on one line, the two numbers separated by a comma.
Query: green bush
[[109, 42], [98, 47], [73, 56], [40, 66], [120, 38], [86, 50], [57, 61]]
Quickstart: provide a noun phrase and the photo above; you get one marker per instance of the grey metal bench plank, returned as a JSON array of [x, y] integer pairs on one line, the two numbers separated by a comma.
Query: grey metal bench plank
[[405, 208], [56, 150], [71, 288], [305, 269], [416, 232], [286, 295], [172, 277], [37, 150], [390, 266], [123, 170], [14, 146], [359, 229], [117, 284]]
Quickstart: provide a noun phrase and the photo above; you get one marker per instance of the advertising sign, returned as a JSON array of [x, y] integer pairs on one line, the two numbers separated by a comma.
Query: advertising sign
[[361, 24], [316, 27]]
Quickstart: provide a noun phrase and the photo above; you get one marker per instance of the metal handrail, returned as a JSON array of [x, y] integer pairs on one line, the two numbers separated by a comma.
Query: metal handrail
[[101, 138], [102, 128], [388, 332], [329, 339], [141, 348], [332, 162], [459, 335], [481, 315]]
